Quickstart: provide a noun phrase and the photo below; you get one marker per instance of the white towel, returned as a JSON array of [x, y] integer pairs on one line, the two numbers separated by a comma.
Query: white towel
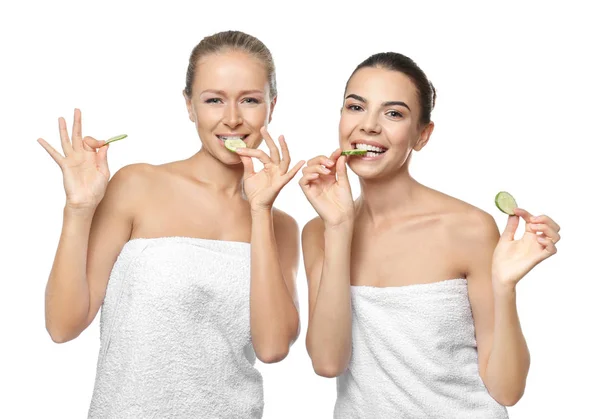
[[175, 333], [414, 356]]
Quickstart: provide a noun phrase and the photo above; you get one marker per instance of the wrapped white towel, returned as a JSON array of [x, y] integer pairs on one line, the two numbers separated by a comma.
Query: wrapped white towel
[[175, 333], [414, 356]]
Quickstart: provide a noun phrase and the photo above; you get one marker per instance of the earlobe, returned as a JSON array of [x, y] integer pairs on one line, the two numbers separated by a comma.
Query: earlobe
[[424, 138], [188, 105], [271, 108]]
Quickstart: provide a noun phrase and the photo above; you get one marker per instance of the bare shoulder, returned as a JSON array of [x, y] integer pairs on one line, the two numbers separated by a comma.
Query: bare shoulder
[[283, 223], [132, 182], [466, 222], [312, 232]]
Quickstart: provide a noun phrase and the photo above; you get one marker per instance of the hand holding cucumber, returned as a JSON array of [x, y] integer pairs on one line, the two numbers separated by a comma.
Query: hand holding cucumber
[[513, 259], [261, 188], [84, 165], [326, 186]]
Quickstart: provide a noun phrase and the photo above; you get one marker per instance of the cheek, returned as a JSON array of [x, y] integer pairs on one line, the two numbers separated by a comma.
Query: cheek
[[255, 117], [347, 123], [207, 118]]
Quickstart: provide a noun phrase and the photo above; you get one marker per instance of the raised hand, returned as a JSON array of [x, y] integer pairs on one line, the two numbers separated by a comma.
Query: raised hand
[[261, 188], [331, 197], [513, 259], [84, 165]]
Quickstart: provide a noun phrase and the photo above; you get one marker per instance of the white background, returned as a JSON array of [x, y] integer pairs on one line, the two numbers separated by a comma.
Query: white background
[[517, 110]]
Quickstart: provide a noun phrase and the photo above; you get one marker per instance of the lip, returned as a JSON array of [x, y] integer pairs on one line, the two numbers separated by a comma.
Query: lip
[[368, 142], [244, 136]]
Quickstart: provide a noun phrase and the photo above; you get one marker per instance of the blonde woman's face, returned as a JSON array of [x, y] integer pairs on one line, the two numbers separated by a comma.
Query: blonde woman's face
[[230, 99]]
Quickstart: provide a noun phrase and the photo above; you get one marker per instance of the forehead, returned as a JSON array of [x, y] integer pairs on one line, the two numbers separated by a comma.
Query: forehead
[[229, 71], [381, 85]]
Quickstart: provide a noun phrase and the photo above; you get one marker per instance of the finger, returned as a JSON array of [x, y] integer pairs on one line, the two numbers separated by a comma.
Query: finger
[[275, 157], [290, 175], [322, 160], [316, 169], [65, 142], [511, 228], [102, 160], [90, 143], [77, 141], [526, 216], [546, 220], [336, 155], [248, 166], [56, 156], [252, 152], [285, 152], [547, 231], [548, 245], [307, 179], [341, 171]]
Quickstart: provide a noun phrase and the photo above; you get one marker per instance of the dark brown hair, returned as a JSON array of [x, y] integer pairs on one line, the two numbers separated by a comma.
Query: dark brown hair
[[397, 62], [231, 41]]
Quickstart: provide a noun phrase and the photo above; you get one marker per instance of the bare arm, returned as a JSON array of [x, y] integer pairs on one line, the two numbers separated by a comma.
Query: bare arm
[[502, 350], [274, 316], [87, 250], [327, 263]]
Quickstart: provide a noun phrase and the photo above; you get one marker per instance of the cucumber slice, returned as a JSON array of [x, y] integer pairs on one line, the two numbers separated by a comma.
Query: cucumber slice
[[113, 139], [232, 145], [506, 203], [354, 152]]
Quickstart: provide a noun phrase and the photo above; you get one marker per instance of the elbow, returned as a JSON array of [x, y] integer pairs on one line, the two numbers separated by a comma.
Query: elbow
[[61, 334], [60, 337], [328, 369], [272, 355], [509, 400]]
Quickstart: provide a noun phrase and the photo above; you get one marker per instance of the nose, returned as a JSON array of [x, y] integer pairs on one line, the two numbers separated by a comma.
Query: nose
[[370, 123], [232, 117]]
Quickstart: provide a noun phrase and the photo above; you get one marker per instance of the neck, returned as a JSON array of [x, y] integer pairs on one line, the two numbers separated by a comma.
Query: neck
[[383, 199], [225, 178]]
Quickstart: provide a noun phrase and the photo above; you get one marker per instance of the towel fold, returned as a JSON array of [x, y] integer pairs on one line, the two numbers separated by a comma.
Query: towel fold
[[175, 333], [414, 355]]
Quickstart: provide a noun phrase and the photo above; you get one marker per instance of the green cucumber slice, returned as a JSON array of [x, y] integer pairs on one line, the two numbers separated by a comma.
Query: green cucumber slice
[[232, 145], [506, 203], [115, 138], [354, 152]]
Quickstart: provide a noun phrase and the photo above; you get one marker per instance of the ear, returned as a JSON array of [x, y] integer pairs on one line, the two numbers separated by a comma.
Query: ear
[[424, 137], [190, 109], [271, 108]]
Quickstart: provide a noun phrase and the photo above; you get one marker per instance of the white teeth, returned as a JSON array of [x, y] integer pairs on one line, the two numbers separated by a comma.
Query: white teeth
[[372, 154], [369, 147], [237, 137]]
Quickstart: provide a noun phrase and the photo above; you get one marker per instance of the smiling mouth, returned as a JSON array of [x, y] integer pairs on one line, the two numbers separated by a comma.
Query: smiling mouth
[[372, 151], [232, 137]]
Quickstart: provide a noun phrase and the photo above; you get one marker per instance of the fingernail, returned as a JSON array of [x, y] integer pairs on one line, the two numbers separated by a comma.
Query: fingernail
[[330, 162]]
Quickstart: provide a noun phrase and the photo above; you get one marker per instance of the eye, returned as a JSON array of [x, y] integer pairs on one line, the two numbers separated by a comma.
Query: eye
[[394, 114], [354, 108], [213, 100], [251, 100]]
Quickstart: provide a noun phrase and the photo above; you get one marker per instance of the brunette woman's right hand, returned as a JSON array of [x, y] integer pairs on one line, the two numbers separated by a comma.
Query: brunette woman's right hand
[[84, 166], [331, 197]]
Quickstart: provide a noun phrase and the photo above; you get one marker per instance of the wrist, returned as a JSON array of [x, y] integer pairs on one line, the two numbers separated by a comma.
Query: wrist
[[503, 288], [260, 210]]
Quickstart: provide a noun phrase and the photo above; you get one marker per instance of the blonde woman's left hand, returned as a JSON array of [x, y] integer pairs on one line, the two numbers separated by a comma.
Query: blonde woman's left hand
[[513, 259], [261, 188]]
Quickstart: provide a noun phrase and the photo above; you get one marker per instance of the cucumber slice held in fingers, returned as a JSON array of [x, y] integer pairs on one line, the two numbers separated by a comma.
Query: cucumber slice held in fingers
[[113, 139], [506, 203], [354, 152], [232, 145]]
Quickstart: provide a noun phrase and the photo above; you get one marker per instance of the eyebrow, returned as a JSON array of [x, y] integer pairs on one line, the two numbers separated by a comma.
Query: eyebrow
[[222, 93], [389, 103]]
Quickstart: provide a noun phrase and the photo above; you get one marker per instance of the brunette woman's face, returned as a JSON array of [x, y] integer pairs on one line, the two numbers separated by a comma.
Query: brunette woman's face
[[381, 114]]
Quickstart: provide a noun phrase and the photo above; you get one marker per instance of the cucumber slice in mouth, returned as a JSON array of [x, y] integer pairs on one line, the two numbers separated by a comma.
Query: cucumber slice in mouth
[[354, 152], [506, 203], [232, 145]]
